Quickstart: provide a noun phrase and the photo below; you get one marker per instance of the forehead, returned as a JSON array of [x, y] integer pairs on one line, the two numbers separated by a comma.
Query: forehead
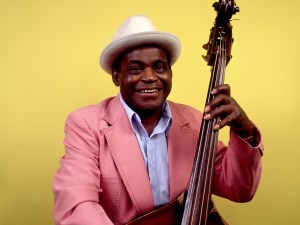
[[145, 53]]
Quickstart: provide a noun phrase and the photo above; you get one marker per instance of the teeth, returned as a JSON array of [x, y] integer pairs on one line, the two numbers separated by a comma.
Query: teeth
[[150, 91]]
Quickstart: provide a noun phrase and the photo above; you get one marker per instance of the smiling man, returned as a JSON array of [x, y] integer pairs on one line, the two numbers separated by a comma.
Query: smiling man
[[134, 152]]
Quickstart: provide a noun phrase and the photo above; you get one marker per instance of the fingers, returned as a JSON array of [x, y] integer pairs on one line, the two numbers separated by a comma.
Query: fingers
[[221, 89], [217, 101], [223, 107], [226, 114], [221, 94]]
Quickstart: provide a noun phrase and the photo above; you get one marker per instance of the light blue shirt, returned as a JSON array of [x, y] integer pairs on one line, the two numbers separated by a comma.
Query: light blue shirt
[[154, 149]]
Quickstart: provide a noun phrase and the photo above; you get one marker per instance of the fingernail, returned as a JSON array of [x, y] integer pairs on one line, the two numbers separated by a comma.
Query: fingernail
[[214, 91], [217, 127], [207, 116], [207, 109]]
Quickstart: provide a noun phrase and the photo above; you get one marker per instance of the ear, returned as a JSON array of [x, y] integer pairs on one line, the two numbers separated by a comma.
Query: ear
[[115, 77]]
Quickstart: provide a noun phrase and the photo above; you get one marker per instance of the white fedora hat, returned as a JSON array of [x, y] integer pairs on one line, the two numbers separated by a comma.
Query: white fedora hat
[[134, 32]]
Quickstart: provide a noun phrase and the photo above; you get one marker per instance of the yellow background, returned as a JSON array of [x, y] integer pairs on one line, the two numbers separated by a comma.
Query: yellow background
[[49, 54]]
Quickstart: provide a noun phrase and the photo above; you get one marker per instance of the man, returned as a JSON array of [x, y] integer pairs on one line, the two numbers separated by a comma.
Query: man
[[134, 152]]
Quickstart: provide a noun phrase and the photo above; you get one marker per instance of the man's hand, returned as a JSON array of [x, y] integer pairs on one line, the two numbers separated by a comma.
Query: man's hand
[[229, 113]]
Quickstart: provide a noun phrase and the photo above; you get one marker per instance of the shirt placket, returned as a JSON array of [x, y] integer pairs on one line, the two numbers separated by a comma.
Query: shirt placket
[[152, 167]]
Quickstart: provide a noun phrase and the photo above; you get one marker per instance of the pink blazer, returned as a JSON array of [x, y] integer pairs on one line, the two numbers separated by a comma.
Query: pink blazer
[[102, 177]]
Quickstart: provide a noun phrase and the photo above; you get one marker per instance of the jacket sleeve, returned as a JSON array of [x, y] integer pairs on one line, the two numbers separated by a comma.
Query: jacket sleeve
[[76, 184], [238, 169]]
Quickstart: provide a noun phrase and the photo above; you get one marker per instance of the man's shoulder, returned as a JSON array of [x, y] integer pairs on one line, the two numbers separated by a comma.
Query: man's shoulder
[[93, 110]]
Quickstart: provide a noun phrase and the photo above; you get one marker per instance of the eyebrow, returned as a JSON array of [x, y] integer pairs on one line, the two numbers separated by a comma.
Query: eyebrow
[[141, 62], [134, 61]]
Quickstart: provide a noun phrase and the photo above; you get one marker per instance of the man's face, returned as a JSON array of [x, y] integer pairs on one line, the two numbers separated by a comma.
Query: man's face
[[145, 79]]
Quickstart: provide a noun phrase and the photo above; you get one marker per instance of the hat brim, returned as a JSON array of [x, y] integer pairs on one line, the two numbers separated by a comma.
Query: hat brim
[[167, 41]]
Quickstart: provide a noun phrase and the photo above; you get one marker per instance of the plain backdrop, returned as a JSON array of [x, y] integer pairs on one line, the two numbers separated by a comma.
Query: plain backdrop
[[49, 53]]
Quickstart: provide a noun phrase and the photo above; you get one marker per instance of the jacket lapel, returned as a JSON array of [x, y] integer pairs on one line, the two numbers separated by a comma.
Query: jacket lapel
[[181, 139], [128, 158]]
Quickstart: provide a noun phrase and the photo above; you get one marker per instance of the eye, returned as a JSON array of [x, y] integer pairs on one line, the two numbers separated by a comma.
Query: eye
[[161, 68], [135, 69]]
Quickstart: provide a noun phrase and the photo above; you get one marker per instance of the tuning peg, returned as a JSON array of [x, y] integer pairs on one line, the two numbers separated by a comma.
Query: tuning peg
[[236, 9], [205, 58], [216, 6], [205, 46]]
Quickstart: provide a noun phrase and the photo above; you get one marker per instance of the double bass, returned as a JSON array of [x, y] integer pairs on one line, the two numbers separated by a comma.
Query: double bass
[[195, 206], [198, 207]]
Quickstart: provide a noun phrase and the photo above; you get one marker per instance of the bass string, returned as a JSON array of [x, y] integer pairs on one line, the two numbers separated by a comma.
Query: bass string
[[211, 140], [208, 155]]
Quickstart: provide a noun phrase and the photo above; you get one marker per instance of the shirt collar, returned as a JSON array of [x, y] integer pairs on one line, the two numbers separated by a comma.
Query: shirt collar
[[132, 115]]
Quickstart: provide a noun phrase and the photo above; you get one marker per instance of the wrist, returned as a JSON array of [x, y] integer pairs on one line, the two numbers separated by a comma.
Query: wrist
[[251, 139]]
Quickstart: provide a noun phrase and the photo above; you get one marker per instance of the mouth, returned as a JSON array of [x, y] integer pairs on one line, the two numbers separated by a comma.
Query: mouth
[[149, 93], [149, 90]]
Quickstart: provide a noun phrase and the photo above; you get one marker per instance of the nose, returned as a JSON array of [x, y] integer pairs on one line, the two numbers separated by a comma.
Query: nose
[[149, 75]]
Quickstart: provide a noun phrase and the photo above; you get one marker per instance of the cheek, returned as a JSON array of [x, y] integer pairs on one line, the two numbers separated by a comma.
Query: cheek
[[169, 84], [168, 91], [129, 80], [127, 86]]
